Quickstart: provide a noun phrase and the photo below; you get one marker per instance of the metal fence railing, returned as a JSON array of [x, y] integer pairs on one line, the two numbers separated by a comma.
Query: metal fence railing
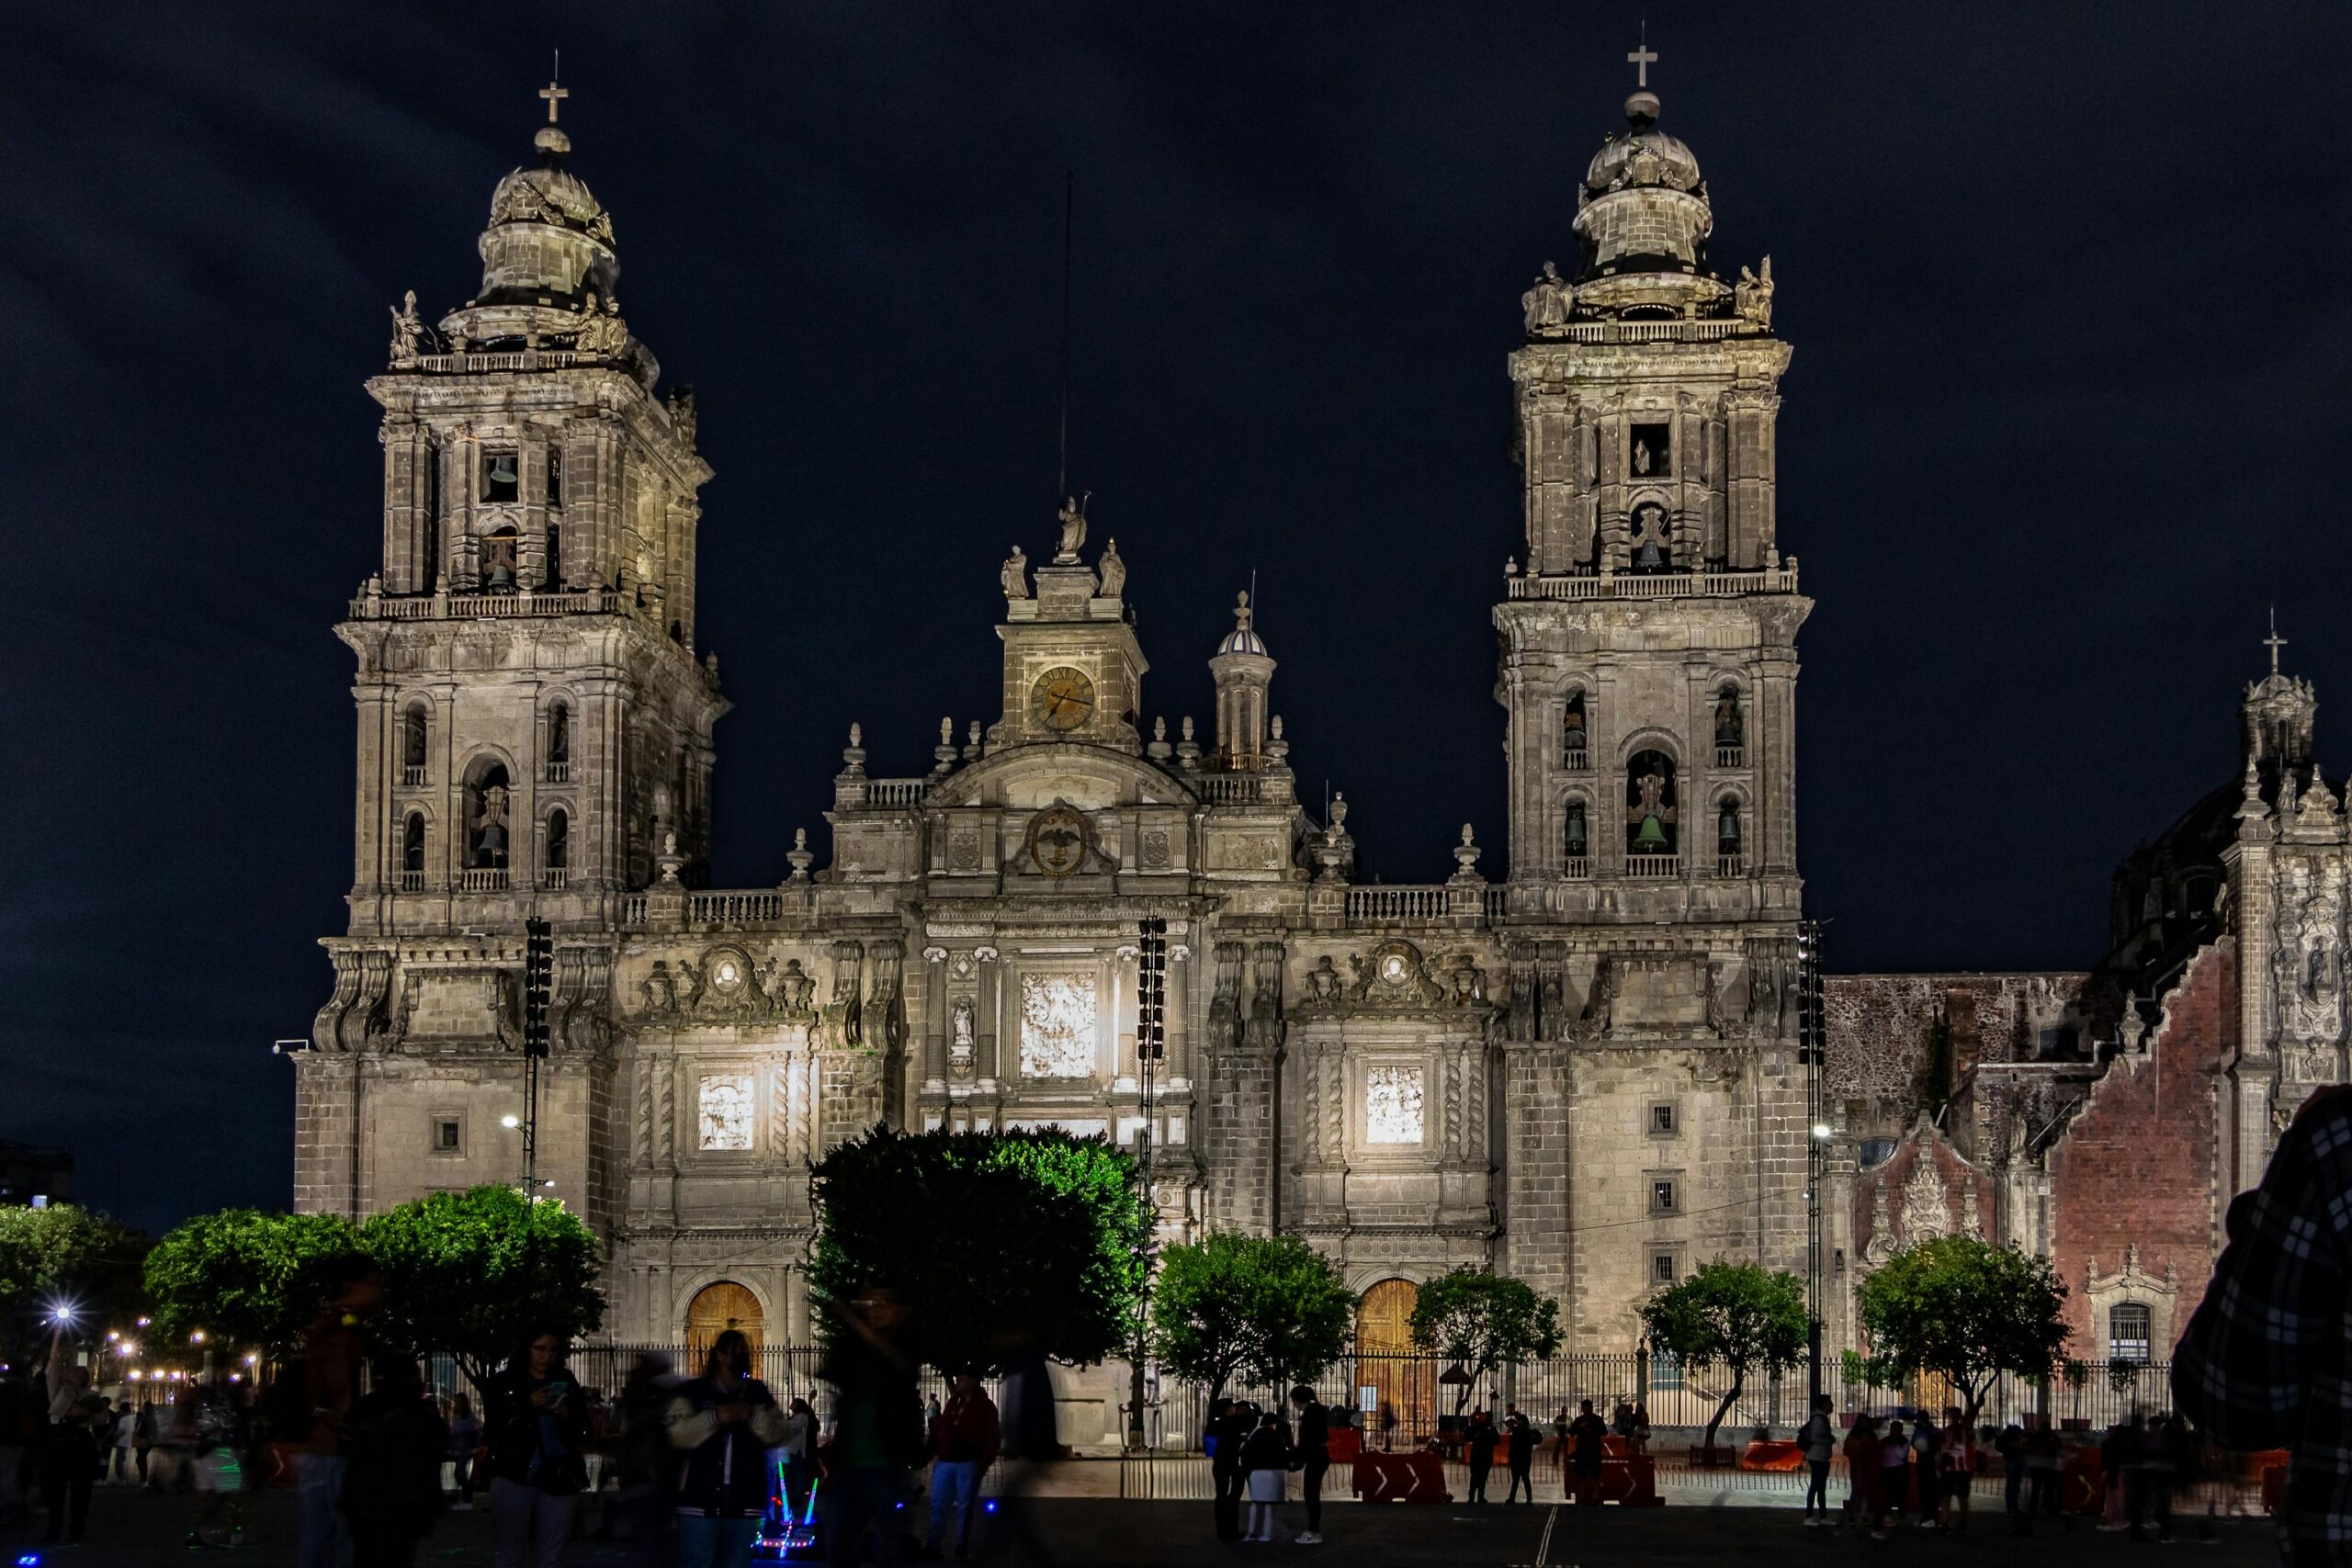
[[1406, 1400]]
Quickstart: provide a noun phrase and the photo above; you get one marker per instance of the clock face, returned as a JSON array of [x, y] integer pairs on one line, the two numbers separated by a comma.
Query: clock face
[[1063, 698]]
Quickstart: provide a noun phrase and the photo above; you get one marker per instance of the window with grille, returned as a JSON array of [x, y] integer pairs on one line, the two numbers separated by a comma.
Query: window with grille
[[2127, 1332]]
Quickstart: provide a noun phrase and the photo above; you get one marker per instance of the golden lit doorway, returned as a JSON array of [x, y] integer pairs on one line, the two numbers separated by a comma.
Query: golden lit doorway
[[1402, 1380], [715, 1309]]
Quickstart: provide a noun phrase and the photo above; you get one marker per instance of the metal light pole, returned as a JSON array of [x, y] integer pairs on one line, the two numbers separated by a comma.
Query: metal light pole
[[1812, 1039], [1151, 1048], [538, 985]]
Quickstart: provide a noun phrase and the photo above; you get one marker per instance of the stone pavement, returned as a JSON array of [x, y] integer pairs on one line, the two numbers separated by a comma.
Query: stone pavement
[[138, 1529]]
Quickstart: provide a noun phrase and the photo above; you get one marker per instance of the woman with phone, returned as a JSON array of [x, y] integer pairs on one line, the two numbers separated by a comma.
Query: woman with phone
[[536, 1424]]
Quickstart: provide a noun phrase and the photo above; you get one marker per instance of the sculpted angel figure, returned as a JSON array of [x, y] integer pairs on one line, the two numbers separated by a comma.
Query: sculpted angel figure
[[1016, 575], [1072, 518], [1114, 570], [1545, 304], [411, 336]]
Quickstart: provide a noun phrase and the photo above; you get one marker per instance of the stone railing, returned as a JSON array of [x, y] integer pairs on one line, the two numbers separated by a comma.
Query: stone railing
[[482, 879], [1731, 756], [516, 359], [733, 909], [1441, 903], [633, 909], [412, 775], [1577, 761], [559, 773], [1653, 865], [1732, 864], [411, 882], [474, 607], [1652, 332], [1232, 789], [1576, 867], [1657, 584], [882, 793], [555, 876]]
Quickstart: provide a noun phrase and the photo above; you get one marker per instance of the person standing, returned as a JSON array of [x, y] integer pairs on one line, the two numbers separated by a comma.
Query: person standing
[[801, 1435], [878, 1420], [393, 1438], [1313, 1457], [722, 1425], [1222, 1439], [2262, 1364], [143, 1438], [1894, 1478], [2010, 1447], [465, 1439], [2043, 1492], [1863, 1507], [1927, 1472], [1956, 1460], [325, 1381], [1265, 1459], [536, 1424], [1521, 1433], [73, 1461], [964, 1442], [1588, 1440], [1480, 1446], [1818, 1438], [121, 1431]]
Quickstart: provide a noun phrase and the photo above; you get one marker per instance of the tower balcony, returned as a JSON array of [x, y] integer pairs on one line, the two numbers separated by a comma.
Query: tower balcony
[[1610, 584]]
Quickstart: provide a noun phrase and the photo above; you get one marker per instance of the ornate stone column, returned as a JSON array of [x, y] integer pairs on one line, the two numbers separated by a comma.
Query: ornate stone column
[[992, 1011], [1180, 1041], [935, 1020], [1124, 1017]]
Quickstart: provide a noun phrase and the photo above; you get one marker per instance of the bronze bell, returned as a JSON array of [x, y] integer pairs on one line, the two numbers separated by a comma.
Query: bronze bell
[[1651, 838]]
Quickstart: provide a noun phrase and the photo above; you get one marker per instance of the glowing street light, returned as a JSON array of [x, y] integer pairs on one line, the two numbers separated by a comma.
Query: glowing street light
[[510, 1123]]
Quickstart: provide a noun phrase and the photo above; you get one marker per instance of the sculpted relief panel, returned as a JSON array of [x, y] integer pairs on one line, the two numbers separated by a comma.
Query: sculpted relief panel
[[1057, 1026]]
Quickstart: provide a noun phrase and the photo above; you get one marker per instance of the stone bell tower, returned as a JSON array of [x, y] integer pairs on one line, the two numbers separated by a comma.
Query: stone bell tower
[[535, 730], [1648, 667]]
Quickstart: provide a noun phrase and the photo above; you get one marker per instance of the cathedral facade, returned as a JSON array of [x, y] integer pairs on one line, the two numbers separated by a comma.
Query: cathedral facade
[[1577, 1060]]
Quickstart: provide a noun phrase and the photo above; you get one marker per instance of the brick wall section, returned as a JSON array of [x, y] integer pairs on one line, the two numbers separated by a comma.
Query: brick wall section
[[322, 1133], [2136, 1165], [1536, 1239], [1242, 1147]]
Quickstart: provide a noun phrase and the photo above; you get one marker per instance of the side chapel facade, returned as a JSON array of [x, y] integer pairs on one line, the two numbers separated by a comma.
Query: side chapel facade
[[1574, 1060]]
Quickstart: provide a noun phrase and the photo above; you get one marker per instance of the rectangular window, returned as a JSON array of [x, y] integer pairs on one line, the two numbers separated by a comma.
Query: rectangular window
[[555, 476], [502, 476], [1057, 1026], [723, 1111], [555, 556], [1662, 1195], [1665, 1372], [1650, 456], [1392, 1105], [2127, 1332], [1662, 1119], [449, 1136], [1661, 1267]]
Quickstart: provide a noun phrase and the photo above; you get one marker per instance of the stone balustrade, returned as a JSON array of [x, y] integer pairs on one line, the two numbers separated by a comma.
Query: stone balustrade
[[1656, 585]]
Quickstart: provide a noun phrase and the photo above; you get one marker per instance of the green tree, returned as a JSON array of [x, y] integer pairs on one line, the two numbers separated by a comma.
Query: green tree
[[1482, 1320], [1270, 1309], [64, 1256], [1739, 1316], [994, 1240], [471, 1273], [246, 1275], [1966, 1311]]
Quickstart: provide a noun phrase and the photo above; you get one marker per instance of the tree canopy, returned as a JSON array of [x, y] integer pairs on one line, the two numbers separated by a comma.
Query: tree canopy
[[1260, 1309], [63, 1256], [1742, 1317], [1967, 1311], [1483, 1320], [997, 1242], [474, 1273], [248, 1276]]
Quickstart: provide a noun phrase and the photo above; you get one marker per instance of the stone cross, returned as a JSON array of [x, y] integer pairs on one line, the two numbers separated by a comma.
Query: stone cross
[[2274, 642], [554, 96], [1641, 60]]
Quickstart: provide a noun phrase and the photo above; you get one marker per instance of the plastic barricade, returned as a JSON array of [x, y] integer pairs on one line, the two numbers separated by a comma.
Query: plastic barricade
[[1773, 1456], [1416, 1477]]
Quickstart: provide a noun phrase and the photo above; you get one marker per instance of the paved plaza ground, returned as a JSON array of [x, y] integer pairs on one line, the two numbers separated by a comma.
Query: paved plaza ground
[[129, 1528]]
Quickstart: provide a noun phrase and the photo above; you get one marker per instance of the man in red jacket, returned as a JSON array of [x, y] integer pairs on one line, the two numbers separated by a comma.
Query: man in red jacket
[[964, 1442]]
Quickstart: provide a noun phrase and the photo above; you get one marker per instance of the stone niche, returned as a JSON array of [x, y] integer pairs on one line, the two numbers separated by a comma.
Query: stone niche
[[1661, 992]]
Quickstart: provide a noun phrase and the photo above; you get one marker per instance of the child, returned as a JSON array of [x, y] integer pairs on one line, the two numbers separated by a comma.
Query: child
[[1265, 1459]]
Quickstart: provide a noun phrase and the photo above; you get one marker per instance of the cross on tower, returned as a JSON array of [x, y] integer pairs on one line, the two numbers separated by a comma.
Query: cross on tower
[[553, 95], [1641, 60], [2274, 642]]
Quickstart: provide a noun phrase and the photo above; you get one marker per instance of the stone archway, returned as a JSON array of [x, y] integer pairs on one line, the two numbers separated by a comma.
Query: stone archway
[[1403, 1379], [715, 1309]]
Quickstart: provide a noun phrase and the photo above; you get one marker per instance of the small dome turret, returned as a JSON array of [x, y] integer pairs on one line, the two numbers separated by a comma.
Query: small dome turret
[[1243, 638], [1643, 206]]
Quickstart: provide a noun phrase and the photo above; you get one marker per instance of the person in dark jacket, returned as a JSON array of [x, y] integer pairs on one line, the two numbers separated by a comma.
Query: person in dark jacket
[[1521, 1433], [641, 1514], [965, 1436], [1480, 1446], [536, 1421], [1265, 1460], [1313, 1457], [721, 1427], [1588, 1448], [393, 1438], [878, 1420], [1229, 1428]]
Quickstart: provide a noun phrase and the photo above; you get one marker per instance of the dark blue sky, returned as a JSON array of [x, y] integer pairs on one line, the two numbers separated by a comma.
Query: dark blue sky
[[2068, 411]]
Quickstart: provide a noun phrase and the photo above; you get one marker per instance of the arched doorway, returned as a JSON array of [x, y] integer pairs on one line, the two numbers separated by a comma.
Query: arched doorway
[[715, 1309], [1402, 1380]]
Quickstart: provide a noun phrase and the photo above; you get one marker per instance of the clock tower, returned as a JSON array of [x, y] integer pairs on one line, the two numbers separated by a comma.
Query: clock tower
[[1073, 670]]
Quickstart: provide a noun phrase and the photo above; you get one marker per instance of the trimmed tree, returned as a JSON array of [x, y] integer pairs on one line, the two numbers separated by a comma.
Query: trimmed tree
[[246, 1275], [1967, 1311], [1482, 1320], [475, 1273], [1270, 1309], [996, 1241], [1741, 1317], [64, 1256]]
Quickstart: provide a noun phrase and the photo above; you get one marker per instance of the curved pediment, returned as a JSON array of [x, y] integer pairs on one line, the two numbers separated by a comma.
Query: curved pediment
[[1092, 778]]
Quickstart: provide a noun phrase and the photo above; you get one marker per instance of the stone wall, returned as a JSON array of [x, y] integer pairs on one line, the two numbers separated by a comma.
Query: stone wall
[[1880, 1028], [2135, 1169]]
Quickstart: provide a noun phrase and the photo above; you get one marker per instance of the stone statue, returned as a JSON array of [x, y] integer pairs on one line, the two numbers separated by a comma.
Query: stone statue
[[794, 988], [1545, 304], [1323, 983], [1016, 575], [602, 330], [960, 1041], [1641, 456], [1752, 296], [660, 996], [1728, 725], [1114, 570], [411, 336], [1072, 518]]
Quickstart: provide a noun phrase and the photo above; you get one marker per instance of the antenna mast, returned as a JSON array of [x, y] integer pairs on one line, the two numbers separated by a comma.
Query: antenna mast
[[1069, 207]]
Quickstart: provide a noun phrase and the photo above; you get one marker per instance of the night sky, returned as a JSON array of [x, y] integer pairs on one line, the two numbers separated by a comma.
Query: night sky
[[2068, 413]]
